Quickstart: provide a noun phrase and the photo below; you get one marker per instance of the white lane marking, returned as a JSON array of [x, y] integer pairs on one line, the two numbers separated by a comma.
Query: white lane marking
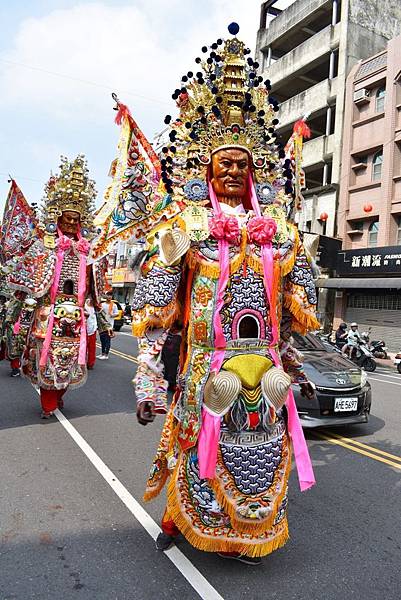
[[384, 381], [194, 577], [387, 375]]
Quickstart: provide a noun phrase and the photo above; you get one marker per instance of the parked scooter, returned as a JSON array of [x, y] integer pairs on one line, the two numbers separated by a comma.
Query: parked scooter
[[397, 361], [379, 349]]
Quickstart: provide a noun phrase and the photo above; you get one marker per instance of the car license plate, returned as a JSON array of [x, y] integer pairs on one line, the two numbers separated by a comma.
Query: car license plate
[[345, 404]]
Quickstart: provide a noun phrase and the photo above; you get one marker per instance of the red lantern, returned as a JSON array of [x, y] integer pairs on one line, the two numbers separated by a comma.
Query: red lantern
[[368, 208], [324, 216]]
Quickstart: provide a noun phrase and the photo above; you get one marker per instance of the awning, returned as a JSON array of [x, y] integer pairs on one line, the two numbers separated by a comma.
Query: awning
[[340, 283]]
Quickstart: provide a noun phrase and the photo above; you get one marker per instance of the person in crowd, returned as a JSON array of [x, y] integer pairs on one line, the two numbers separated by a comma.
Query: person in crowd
[[353, 340], [91, 329], [128, 310], [341, 335], [110, 311]]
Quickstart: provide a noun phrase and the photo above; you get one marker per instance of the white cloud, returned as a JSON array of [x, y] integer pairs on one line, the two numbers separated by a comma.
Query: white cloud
[[139, 49]]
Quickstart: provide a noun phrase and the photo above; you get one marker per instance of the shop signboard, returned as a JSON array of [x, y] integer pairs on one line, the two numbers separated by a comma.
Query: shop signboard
[[381, 261]]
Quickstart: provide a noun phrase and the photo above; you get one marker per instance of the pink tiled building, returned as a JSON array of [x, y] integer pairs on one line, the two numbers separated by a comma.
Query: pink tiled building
[[369, 213]]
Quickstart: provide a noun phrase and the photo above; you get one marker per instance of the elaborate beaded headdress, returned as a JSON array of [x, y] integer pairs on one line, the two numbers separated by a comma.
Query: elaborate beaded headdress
[[224, 105], [69, 190]]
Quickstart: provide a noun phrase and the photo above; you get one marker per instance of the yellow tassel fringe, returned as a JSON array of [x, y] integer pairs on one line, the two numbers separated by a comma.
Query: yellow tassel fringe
[[198, 540], [149, 316], [303, 321], [252, 547]]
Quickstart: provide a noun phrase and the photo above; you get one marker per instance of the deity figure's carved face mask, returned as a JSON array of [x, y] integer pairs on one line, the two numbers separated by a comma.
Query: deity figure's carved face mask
[[230, 169], [69, 223]]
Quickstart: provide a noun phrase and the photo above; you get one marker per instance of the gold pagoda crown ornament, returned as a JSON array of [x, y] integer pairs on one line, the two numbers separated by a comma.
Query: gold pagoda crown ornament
[[224, 105], [69, 190]]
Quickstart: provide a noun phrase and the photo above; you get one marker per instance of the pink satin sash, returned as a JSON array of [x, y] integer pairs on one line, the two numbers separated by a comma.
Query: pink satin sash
[[17, 326], [210, 430], [303, 462], [64, 243]]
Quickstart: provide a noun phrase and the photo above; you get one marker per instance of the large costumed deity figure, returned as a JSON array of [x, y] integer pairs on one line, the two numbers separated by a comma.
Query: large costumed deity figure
[[226, 268], [55, 273]]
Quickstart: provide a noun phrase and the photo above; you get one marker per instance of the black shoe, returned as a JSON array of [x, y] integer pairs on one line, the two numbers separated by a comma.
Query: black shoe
[[247, 560], [164, 541], [15, 373], [46, 415]]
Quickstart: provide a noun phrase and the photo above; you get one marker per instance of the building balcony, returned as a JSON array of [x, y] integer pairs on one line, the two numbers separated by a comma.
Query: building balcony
[[308, 102], [303, 57], [317, 151], [297, 15]]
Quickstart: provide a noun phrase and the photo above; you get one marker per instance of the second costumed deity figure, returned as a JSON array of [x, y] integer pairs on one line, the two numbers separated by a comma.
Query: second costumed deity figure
[[55, 273]]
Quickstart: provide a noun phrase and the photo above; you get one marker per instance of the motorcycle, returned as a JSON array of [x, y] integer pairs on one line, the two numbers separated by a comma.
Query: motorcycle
[[397, 361], [379, 349], [363, 356]]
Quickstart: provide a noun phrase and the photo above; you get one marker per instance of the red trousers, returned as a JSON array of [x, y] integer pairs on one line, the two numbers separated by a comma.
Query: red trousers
[[168, 526], [15, 363], [91, 348], [49, 399]]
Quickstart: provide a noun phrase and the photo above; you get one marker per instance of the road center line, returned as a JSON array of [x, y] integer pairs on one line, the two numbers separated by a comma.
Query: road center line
[[384, 381], [396, 377], [333, 440], [194, 577], [123, 355], [363, 445]]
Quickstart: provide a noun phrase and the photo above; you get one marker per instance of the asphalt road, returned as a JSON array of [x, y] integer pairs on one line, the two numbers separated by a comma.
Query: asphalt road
[[66, 532]]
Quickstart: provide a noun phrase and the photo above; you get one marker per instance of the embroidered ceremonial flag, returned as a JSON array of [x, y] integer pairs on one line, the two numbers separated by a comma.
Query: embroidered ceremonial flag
[[18, 226], [135, 197]]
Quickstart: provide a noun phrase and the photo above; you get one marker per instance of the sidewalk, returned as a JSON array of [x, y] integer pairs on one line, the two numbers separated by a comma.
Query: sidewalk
[[388, 362]]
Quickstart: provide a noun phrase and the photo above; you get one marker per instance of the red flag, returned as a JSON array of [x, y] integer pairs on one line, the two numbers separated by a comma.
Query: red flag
[[19, 223]]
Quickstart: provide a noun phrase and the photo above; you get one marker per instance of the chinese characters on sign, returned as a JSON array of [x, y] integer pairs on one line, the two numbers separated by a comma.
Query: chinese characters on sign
[[367, 261]]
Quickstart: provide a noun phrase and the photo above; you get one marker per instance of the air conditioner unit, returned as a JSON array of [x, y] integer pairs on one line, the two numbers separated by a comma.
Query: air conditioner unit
[[361, 96]]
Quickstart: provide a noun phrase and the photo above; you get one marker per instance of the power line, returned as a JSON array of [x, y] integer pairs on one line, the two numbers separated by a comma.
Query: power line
[[85, 81], [20, 177]]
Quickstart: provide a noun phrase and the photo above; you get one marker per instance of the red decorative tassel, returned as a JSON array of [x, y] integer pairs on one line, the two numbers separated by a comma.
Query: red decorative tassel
[[123, 111], [301, 128]]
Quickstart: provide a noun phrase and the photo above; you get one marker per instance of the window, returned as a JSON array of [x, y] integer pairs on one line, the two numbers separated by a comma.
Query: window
[[380, 99], [398, 236], [356, 226], [377, 166], [373, 234]]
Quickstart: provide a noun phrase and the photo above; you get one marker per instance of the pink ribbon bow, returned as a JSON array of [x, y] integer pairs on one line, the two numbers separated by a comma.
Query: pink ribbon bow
[[63, 242], [223, 227], [83, 246], [261, 230]]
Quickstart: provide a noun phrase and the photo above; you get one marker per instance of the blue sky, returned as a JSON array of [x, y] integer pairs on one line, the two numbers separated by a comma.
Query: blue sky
[[61, 59]]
